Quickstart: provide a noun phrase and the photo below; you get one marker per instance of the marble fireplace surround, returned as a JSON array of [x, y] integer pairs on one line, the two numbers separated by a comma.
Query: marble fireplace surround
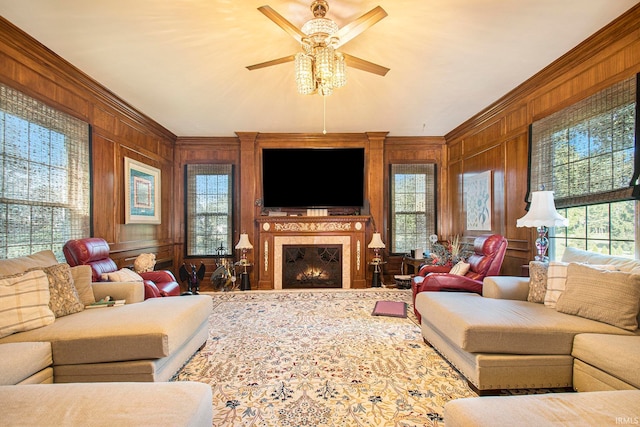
[[275, 232], [280, 241]]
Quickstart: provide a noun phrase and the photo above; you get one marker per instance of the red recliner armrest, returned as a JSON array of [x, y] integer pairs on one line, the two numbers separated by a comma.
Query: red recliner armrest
[[427, 269], [164, 281]]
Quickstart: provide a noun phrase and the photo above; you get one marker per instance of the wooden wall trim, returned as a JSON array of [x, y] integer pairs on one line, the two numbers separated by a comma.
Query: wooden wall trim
[[627, 24], [29, 47]]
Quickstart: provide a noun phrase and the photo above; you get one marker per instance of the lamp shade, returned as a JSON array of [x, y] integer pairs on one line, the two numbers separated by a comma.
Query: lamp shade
[[244, 242], [542, 212], [376, 242]]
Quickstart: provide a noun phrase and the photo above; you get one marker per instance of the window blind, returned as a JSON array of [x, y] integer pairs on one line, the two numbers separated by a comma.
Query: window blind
[[45, 176], [587, 153], [209, 209], [413, 207]]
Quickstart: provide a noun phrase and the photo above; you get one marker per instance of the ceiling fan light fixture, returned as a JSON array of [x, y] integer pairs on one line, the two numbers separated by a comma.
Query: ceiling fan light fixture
[[304, 74]]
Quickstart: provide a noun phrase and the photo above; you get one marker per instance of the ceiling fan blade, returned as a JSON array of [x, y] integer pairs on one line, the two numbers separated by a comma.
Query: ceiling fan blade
[[281, 22], [272, 62], [354, 28], [363, 65]]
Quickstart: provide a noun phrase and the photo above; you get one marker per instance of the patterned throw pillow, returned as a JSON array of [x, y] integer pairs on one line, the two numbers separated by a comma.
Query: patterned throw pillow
[[25, 303], [460, 269], [64, 296], [611, 297], [537, 281]]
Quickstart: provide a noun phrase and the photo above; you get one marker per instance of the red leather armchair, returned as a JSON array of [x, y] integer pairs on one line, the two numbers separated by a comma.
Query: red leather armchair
[[489, 252], [94, 251]]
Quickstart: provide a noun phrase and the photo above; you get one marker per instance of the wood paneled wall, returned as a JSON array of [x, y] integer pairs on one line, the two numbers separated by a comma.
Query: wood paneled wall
[[496, 139], [118, 131]]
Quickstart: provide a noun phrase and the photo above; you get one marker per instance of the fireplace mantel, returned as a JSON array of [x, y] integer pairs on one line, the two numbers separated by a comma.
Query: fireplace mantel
[[274, 232]]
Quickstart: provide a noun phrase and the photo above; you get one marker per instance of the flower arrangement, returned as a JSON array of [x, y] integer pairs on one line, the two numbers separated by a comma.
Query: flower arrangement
[[450, 252]]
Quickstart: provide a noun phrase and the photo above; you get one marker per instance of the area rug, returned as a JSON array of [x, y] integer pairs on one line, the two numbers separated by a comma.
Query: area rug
[[320, 358]]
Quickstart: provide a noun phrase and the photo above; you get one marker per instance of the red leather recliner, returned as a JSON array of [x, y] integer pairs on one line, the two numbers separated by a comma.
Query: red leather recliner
[[489, 252], [94, 251]]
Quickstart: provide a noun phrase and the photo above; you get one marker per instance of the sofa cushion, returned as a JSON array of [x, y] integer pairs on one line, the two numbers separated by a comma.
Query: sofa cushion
[[486, 325], [593, 258], [82, 281], [553, 409], [63, 296], [537, 281], [25, 303], [612, 297], [460, 269], [122, 404], [148, 330], [12, 266], [610, 353], [21, 360]]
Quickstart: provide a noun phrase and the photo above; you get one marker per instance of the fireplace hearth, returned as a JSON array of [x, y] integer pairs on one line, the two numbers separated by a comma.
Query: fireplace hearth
[[311, 266]]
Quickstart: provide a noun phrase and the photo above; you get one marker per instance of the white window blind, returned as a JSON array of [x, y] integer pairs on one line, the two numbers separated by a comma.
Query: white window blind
[[44, 176]]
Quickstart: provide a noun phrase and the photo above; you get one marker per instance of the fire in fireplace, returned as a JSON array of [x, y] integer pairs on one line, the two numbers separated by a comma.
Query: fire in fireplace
[[311, 266]]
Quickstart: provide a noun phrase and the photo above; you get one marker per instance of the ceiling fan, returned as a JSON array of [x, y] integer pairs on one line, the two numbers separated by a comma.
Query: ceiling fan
[[319, 67]]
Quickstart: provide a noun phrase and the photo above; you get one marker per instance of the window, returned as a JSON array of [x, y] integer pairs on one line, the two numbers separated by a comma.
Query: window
[[45, 178], [209, 206], [586, 154], [413, 206]]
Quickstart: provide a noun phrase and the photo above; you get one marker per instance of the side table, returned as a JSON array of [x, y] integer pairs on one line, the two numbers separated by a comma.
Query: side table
[[245, 285], [376, 280]]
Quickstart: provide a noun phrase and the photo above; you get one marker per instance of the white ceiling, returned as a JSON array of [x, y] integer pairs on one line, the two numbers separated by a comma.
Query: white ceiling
[[182, 62]]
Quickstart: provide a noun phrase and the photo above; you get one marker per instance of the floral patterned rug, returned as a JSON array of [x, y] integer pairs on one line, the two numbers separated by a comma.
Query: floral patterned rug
[[319, 358]]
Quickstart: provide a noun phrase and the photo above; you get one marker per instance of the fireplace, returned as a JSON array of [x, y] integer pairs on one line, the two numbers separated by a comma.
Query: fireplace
[[311, 266], [341, 240]]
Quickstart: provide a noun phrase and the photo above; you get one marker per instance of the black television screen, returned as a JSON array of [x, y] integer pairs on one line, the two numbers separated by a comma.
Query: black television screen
[[312, 177]]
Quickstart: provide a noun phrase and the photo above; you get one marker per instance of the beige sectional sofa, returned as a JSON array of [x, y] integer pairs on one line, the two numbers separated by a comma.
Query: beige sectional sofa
[[141, 341], [29, 399], [501, 341]]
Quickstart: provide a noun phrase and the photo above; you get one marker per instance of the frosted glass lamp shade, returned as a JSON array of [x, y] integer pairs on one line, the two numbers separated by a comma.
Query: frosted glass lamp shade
[[542, 212]]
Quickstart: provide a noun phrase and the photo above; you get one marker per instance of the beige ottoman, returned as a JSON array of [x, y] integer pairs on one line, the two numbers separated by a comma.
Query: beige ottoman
[[25, 363], [601, 408], [108, 404]]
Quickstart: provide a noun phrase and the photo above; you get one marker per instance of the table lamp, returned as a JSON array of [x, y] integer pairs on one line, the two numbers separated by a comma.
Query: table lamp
[[244, 245], [542, 214], [376, 244]]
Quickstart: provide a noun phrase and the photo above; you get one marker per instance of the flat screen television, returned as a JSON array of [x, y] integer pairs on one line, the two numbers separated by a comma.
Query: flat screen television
[[312, 177]]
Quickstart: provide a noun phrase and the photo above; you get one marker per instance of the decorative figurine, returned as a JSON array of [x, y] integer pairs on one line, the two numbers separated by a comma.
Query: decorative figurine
[[192, 278], [222, 278]]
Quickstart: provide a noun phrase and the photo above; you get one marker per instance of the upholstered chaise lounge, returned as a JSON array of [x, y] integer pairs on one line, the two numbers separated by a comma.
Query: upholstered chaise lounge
[[139, 341]]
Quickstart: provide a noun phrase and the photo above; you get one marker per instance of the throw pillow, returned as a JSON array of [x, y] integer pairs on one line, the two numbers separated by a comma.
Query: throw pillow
[[64, 298], [460, 269], [82, 281], [537, 281], [556, 279], [122, 275], [611, 297], [25, 303]]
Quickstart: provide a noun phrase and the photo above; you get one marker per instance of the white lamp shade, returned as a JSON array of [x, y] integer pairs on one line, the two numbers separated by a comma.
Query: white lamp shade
[[376, 242], [542, 212], [244, 242]]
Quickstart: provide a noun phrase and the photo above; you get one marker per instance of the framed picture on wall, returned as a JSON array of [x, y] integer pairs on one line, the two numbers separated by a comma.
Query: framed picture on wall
[[141, 193], [477, 199]]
